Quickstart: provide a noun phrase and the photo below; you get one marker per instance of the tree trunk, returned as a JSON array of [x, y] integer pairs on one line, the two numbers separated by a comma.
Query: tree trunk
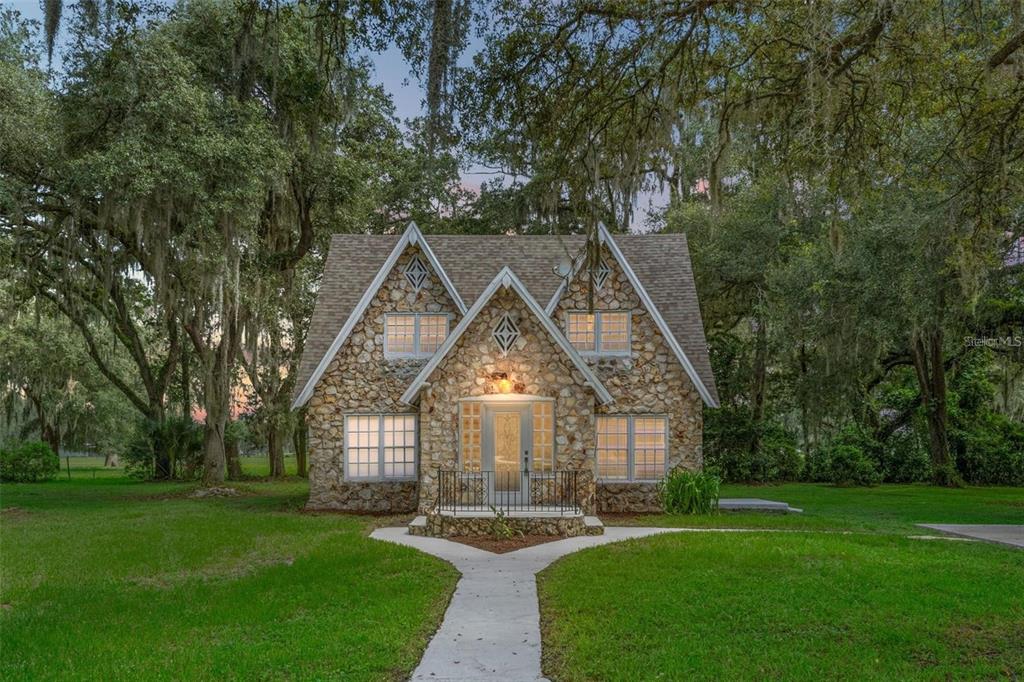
[[51, 436], [234, 461], [926, 348], [217, 401], [301, 441], [275, 449]]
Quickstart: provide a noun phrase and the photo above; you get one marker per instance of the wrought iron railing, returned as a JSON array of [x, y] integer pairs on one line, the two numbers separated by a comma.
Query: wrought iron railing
[[509, 491]]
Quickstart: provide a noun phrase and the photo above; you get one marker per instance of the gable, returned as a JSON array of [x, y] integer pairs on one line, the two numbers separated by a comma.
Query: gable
[[503, 285], [470, 262], [348, 264]]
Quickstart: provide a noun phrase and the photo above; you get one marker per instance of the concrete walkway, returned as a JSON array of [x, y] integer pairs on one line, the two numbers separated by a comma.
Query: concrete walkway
[[1000, 534], [491, 630]]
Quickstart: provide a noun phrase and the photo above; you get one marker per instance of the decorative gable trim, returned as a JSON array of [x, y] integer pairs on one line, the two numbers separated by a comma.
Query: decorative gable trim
[[606, 239], [508, 280], [411, 236]]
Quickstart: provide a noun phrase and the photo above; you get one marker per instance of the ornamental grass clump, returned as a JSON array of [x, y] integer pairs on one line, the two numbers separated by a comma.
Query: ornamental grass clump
[[688, 492]]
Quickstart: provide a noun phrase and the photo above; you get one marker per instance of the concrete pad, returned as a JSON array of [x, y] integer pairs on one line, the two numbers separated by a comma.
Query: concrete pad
[[755, 504], [491, 630], [1009, 535]]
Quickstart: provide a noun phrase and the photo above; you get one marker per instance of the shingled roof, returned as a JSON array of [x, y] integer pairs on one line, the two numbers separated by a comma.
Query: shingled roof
[[661, 262]]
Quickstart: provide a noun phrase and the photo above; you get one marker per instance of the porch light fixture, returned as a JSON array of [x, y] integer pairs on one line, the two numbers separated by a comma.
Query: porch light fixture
[[502, 381]]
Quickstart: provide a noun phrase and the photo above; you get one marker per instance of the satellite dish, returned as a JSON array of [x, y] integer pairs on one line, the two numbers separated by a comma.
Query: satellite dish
[[564, 268]]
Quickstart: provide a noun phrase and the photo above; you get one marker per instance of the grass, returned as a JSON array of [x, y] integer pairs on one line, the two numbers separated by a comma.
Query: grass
[[112, 579], [867, 603], [887, 508]]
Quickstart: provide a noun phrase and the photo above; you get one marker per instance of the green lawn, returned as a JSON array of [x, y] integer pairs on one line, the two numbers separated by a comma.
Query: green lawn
[[111, 579], [868, 603], [886, 508]]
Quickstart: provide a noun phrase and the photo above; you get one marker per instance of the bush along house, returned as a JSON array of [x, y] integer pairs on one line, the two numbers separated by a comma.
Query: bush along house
[[468, 376]]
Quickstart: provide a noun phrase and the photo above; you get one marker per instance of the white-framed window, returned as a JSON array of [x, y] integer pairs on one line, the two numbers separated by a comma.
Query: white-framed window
[[414, 335], [602, 332], [631, 447], [380, 447]]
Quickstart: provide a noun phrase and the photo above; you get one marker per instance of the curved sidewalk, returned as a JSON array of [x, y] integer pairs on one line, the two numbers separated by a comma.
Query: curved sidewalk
[[491, 630]]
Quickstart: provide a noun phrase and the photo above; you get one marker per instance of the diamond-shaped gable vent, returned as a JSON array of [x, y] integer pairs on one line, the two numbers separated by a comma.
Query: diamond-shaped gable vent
[[416, 273], [601, 274], [506, 333]]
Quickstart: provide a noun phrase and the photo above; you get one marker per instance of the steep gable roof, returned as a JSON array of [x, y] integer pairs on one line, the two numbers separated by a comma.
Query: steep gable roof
[[411, 236], [506, 278], [660, 261]]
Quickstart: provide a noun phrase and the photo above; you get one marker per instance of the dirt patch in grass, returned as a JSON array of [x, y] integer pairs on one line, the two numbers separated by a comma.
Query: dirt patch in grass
[[995, 641], [503, 545], [14, 513]]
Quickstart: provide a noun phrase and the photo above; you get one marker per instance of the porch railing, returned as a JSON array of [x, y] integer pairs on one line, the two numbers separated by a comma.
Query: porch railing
[[509, 491]]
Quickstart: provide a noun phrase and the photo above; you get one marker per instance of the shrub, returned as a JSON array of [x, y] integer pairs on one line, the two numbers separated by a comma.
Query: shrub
[[728, 435], [990, 451], [687, 492], [848, 465], [165, 449], [29, 462]]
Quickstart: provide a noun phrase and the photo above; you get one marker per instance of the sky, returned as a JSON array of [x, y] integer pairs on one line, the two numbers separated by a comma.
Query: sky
[[392, 72]]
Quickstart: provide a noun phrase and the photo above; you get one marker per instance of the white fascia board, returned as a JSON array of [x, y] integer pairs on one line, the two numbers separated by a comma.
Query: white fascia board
[[506, 278], [412, 235], [609, 241]]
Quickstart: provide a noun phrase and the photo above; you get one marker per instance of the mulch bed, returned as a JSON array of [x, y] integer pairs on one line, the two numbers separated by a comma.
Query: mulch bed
[[500, 546]]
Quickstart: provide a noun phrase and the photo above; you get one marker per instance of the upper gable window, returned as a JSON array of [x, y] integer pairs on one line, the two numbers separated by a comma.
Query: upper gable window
[[416, 272], [603, 332], [414, 335], [601, 274], [506, 333]]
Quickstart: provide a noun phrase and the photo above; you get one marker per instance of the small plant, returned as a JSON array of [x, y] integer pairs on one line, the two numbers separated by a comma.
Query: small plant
[[501, 528], [688, 492], [29, 462]]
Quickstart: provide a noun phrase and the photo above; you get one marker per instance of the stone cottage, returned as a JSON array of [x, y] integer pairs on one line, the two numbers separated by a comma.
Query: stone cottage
[[470, 371]]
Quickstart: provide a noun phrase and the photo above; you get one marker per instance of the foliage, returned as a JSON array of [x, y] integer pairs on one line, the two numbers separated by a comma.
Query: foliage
[[728, 435], [689, 492], [849, 459], [171, 448], [501, 528], [28, 462], [990, 450]]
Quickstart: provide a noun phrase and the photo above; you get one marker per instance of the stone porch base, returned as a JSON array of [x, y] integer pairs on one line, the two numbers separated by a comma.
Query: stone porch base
[[445, 525]]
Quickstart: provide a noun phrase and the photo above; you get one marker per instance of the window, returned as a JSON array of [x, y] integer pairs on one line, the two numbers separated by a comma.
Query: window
[[543, 436], [506, 333], [416, 272], [602, 332], [380, 446], [470, 430], [601, 274], [414, 335], [631, 447]]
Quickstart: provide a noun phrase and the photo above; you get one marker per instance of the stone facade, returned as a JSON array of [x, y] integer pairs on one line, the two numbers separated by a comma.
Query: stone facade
[[360, 381], [536, 366], [650, 381], [445, 526], [627, 497]]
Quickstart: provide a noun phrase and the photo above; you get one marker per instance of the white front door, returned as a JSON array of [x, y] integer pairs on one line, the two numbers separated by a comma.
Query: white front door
[[507, 435]]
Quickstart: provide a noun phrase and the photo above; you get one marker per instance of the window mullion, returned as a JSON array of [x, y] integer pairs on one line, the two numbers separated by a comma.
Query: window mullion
[[380, 447], [597, 332], [416, 335], [630, 455]]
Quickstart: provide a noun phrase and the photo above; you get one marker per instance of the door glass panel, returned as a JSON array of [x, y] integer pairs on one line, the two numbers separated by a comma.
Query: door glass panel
[[507, 427]]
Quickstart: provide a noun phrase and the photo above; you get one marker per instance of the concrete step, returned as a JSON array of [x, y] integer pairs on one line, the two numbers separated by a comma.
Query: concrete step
[[418, 526], [593, 525]]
